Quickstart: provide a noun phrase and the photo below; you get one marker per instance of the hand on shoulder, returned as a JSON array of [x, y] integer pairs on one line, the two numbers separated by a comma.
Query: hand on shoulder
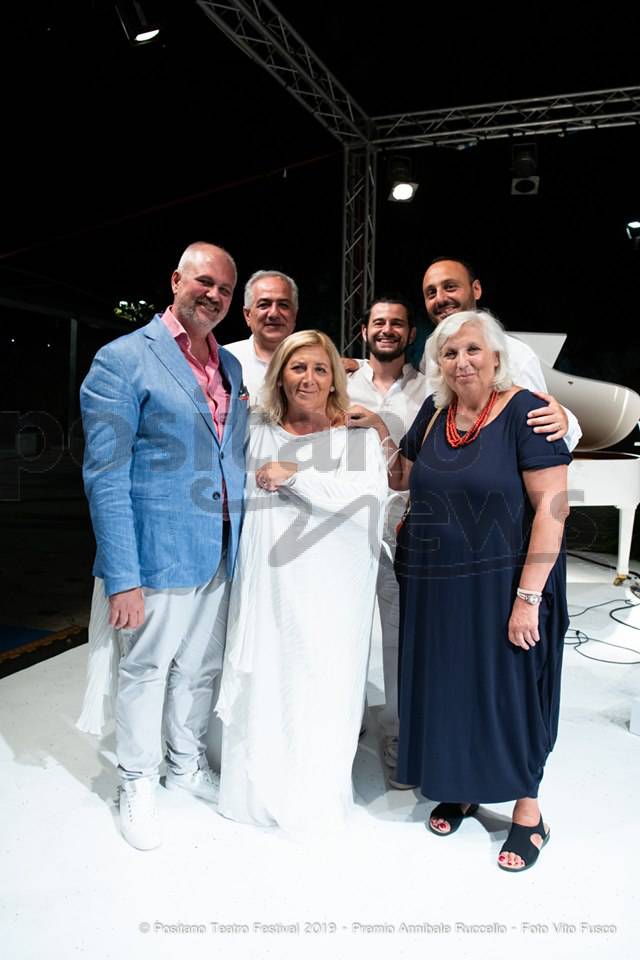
[[550, 419], [350, 364]]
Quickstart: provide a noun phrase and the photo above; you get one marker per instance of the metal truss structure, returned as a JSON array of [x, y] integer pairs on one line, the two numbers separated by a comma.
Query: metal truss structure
[[359, 242], [268, 39], [265, 36], [463, 126]]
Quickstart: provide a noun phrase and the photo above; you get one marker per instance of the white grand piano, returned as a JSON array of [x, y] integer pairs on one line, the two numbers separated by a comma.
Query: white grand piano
[[607, 413]]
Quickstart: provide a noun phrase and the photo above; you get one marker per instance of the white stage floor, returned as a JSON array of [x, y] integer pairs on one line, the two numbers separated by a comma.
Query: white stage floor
[[70, 886]]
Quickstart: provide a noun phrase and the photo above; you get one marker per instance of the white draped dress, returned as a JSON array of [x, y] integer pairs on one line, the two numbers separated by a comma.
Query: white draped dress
[[300, 619]]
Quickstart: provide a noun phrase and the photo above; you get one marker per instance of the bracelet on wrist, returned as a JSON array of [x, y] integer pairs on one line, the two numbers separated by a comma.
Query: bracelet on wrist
[[533, 597]]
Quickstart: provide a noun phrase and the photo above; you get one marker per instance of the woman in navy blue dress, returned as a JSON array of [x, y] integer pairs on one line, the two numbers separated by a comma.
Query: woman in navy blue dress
[[482, 584]]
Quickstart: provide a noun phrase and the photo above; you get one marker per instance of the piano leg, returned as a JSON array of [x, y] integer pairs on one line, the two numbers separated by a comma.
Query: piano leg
[[626, 516]]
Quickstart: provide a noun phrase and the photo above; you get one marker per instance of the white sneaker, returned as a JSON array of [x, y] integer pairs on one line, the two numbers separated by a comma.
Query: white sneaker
[[139, 819], [202, 783]]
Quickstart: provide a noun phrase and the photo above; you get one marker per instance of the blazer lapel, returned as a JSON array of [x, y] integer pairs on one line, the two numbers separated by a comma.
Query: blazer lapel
[[171, 357], [234, 396]]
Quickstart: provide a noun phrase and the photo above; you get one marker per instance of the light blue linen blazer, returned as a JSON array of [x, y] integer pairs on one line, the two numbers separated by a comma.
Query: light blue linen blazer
[[155, 473]]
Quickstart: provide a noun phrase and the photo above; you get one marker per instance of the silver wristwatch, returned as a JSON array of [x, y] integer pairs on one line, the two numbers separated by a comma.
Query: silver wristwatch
[[529, 596]]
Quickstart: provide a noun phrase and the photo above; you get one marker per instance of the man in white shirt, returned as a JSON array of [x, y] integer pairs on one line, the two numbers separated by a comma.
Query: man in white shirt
[[395, 390], [270, 309], [450, 286]]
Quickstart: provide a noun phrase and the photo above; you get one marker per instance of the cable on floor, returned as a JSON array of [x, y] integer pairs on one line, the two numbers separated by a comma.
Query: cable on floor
[[582, 638]]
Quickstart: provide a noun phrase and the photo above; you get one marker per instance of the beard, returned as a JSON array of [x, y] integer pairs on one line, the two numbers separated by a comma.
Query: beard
[[185, 311], [386, 356]]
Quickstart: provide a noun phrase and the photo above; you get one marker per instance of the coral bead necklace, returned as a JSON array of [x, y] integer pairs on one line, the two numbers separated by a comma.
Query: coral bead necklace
[[454, 438]]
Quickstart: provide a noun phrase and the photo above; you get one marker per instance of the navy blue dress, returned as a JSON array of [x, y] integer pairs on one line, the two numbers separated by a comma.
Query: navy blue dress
[[478, 716]]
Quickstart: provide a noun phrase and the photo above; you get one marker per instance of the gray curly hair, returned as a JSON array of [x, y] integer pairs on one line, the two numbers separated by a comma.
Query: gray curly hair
[[494, 334]]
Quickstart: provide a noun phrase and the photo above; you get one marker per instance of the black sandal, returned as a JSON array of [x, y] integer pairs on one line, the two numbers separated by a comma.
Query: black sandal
[[519, 842], [452, 813]]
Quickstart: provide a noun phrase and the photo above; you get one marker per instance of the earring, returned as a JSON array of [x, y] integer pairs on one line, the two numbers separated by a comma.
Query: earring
[[331, 389]]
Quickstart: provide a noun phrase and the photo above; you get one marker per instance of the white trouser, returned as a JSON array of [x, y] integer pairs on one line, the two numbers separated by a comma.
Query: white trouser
[[170, 662], [388, 594]]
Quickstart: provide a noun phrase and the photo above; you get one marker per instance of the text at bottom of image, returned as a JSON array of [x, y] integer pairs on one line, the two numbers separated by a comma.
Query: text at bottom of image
[[579, 928]]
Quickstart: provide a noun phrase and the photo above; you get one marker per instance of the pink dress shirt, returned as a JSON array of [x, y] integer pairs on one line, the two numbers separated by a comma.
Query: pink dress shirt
[[208, 376]]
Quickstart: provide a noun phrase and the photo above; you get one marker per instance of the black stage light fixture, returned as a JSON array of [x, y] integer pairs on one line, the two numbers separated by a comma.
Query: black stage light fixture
[[525, 181], [633, 232], [139, 21], [402, 185]]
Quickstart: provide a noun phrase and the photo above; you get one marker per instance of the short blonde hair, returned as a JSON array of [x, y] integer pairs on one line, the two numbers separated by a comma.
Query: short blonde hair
[[272, 397], [494, 334]]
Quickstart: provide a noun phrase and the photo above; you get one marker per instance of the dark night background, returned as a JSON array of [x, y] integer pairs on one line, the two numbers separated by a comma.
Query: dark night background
[[116, 158]]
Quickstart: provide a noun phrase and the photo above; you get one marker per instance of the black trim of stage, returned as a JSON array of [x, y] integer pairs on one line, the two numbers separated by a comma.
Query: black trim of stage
[[12, 661]]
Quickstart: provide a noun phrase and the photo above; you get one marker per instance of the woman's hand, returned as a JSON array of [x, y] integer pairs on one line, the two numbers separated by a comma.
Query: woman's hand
[[270, 476], [523, 624]]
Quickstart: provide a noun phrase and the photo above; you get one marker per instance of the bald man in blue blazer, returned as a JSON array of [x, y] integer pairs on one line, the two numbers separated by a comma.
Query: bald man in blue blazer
[[164, 413]]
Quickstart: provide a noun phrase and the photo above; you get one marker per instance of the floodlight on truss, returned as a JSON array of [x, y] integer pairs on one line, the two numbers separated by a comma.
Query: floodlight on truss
[[633, 232], [138, 21], [402, 185], [525, 181]]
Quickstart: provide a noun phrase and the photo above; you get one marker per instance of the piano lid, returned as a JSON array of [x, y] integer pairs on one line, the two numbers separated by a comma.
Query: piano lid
[[546, 345], [606, 412]]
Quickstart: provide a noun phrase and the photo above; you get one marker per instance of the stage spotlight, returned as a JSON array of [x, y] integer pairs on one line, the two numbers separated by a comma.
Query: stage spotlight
[[403, 187], [633, 232], [138, 22], [524, 169]]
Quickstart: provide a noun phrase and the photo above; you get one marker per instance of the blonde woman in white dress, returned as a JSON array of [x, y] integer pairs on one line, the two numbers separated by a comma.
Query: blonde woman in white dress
[[302, 599]]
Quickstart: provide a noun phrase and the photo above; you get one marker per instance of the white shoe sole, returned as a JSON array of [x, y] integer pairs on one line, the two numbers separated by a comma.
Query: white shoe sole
[[150, 843]]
